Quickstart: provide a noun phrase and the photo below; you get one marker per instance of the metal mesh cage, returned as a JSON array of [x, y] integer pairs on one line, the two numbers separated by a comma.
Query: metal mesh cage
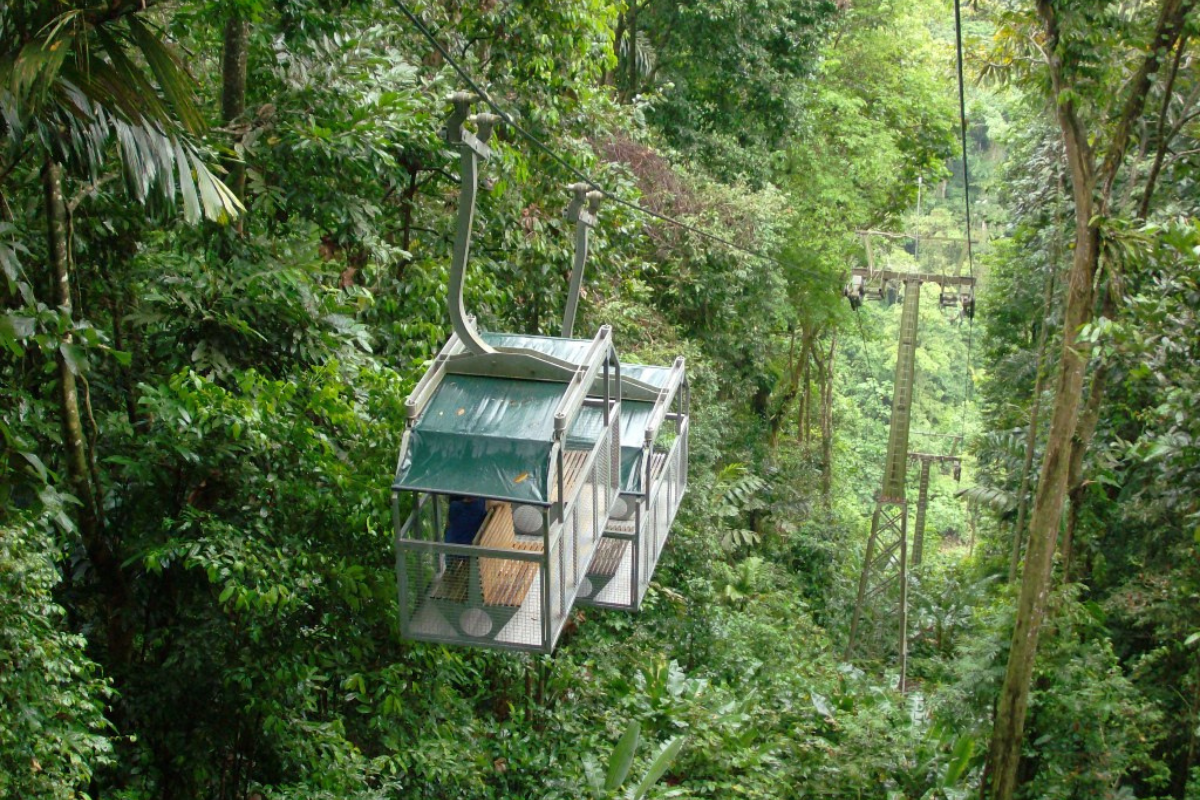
[[519, 432], [485, 593], [513, 587], [633, 540]]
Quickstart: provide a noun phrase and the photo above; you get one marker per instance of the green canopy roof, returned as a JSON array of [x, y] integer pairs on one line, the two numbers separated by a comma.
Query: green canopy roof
[[487, 437], [634, 418], [570, 350], [492, 437], [654, 376]]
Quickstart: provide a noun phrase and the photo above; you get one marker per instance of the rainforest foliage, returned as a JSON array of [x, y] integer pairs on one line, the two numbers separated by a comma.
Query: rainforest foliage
[[225, 230]]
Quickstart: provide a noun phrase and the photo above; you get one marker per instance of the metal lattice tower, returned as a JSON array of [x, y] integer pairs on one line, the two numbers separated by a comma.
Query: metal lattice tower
[[883, 583], [926, 459], [885, 567]]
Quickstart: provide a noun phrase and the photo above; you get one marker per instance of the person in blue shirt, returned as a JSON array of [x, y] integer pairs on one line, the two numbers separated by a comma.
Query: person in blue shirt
[[465, 516]]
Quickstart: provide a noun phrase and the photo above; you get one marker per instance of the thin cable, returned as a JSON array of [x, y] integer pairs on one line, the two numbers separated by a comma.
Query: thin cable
[[862, 337], [575, 171], [962, 427], [962, 115]]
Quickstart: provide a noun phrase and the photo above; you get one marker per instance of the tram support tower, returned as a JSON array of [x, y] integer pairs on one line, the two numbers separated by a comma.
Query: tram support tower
[[883, 582], [926, 460]]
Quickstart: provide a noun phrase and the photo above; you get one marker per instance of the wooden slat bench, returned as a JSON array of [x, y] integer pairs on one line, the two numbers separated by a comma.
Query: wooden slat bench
[[573, 473], [504, 582], [608, 557], [497, 586]]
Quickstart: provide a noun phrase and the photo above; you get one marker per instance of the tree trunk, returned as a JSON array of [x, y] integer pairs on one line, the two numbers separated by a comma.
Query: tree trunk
[[233, 92], [1182, 776], [802, 410], [126, 380], [827, 425], [1076, 486], [1031, 435], [1043, 527], [797, 371], [1005, 753], [76, 449], [99, 550], [1163, 138]]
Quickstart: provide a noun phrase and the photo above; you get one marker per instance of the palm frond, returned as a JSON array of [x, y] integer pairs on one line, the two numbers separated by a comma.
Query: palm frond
[[170, 73], [80, 90], [998, 500]]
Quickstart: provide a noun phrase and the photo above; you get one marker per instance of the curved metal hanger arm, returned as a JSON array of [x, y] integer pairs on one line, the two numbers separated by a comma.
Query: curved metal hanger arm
[[584, 220], [471, 147]]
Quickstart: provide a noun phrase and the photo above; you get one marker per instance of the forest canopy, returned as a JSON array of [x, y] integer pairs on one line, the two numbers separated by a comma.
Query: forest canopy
[[226, 231]]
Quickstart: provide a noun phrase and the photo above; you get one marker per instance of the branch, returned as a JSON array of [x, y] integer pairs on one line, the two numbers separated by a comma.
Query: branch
[[90, 189], [1166, 33], [1183, 154], [1079, 154], [20, 157], [1164, 140]]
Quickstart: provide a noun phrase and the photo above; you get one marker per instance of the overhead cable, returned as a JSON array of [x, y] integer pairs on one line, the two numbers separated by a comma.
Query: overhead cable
[[962, 115]]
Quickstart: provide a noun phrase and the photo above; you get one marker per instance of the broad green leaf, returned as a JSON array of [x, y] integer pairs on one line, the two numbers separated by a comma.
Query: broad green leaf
[[821, 705], [622, 756], [75, 356], [658, 766], [960, 758], [591, 771], [15, 329], [38, 467]]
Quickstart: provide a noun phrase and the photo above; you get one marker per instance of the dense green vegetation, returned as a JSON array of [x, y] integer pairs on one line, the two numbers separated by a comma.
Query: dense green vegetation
[[225, 227]]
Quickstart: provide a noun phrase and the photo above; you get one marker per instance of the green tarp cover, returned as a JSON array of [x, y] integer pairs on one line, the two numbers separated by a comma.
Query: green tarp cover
[[587, 429], [492, 437], [487, 437], [634, 419], [655, 376], [635, 416], [569, 350]]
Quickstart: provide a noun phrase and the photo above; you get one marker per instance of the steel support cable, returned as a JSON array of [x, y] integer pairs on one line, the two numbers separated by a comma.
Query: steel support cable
[[962, 115], [575, 171]]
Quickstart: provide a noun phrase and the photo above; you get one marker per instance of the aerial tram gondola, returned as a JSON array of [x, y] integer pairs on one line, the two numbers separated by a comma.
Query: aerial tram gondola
[[654, 460], [510, 461]]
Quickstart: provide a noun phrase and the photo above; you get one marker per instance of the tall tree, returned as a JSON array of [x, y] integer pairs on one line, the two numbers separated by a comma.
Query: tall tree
[[71, 89], [1096, 138]]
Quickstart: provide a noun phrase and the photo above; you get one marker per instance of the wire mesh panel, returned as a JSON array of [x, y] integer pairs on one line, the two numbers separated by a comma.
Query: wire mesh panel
[[514, 585], [610, 581], [485, 593], [591, 492], [637, 531]]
